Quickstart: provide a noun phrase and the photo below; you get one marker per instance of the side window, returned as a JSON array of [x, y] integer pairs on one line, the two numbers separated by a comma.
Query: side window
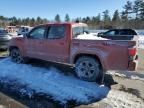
[[37, 33], [132, 32], [111, 33], [124, 32], [56, 32], [77, 31]]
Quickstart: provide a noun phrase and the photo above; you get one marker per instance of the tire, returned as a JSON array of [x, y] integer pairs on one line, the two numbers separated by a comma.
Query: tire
[[16, 56], [88, 69]]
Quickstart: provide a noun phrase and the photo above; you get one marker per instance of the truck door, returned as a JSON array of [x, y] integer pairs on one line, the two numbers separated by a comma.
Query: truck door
[[57, 45], [35, 42]]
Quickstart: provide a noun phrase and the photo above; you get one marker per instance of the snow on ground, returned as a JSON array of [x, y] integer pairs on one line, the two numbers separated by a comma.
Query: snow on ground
[[128, 74], [50, 81], [141, 46], [64, 88], [141, 42], [13, 34], [120, 99], [95, 34]]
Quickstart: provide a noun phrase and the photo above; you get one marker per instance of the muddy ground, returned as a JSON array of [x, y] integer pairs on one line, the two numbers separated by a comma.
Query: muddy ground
[[11, 98]]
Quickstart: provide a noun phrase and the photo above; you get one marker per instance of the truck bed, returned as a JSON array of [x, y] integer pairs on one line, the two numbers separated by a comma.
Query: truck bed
[[112, 53]]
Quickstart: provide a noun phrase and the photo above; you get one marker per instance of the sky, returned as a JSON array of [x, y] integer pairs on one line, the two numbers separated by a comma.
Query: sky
[[49, 8]]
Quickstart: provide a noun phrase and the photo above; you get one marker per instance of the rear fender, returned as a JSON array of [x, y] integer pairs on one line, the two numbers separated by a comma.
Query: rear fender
[[101, 57]]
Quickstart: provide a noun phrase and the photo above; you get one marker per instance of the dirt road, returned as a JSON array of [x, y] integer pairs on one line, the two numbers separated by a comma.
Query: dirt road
[[6, 101]]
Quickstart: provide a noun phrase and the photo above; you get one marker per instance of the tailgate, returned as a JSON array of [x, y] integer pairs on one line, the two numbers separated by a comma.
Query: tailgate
[[121, 54]]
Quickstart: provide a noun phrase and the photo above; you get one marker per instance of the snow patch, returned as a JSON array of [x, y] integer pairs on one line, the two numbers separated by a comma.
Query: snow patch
[[127, 74], [52, 82], [1, 106], [120, 99], [90, 37], [141, 42]]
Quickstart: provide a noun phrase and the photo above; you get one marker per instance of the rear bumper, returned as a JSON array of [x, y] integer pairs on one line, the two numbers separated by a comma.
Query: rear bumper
[[133, 65]]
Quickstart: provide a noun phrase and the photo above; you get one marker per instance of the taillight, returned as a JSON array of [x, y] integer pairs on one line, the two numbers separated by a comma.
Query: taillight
[[132, 51]]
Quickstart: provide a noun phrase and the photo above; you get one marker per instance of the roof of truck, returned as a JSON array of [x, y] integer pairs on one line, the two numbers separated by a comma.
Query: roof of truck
[[66, 23]]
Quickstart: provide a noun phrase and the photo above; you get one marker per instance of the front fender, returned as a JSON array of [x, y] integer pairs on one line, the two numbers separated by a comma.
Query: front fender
[[18, 43]]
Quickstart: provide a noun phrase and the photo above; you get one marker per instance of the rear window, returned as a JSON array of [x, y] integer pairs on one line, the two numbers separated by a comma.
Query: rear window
[[112, 33], [128, 32], [80, 30], [56, 32]]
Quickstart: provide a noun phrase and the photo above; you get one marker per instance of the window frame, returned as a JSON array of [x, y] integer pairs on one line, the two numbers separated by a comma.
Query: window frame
[[48, 30], [107, 33], [84, 29], [132, 32], [44, 36]]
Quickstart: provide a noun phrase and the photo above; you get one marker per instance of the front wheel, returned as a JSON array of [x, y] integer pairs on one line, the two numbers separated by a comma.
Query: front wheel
[[88, 68], [16, 56]]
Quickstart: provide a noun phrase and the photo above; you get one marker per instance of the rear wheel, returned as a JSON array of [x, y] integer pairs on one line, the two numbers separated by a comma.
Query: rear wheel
[[88, 68], [16, 56]]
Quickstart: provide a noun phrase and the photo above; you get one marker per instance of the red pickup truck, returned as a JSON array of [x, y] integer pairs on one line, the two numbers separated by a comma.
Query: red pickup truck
[[72, 44]]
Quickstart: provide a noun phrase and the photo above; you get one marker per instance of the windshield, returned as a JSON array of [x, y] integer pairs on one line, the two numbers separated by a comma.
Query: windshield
[[80, 30]]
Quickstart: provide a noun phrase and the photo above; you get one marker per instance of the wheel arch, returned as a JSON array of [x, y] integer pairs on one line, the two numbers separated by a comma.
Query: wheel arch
[[19, 48], [89, 55], [13, 47]]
